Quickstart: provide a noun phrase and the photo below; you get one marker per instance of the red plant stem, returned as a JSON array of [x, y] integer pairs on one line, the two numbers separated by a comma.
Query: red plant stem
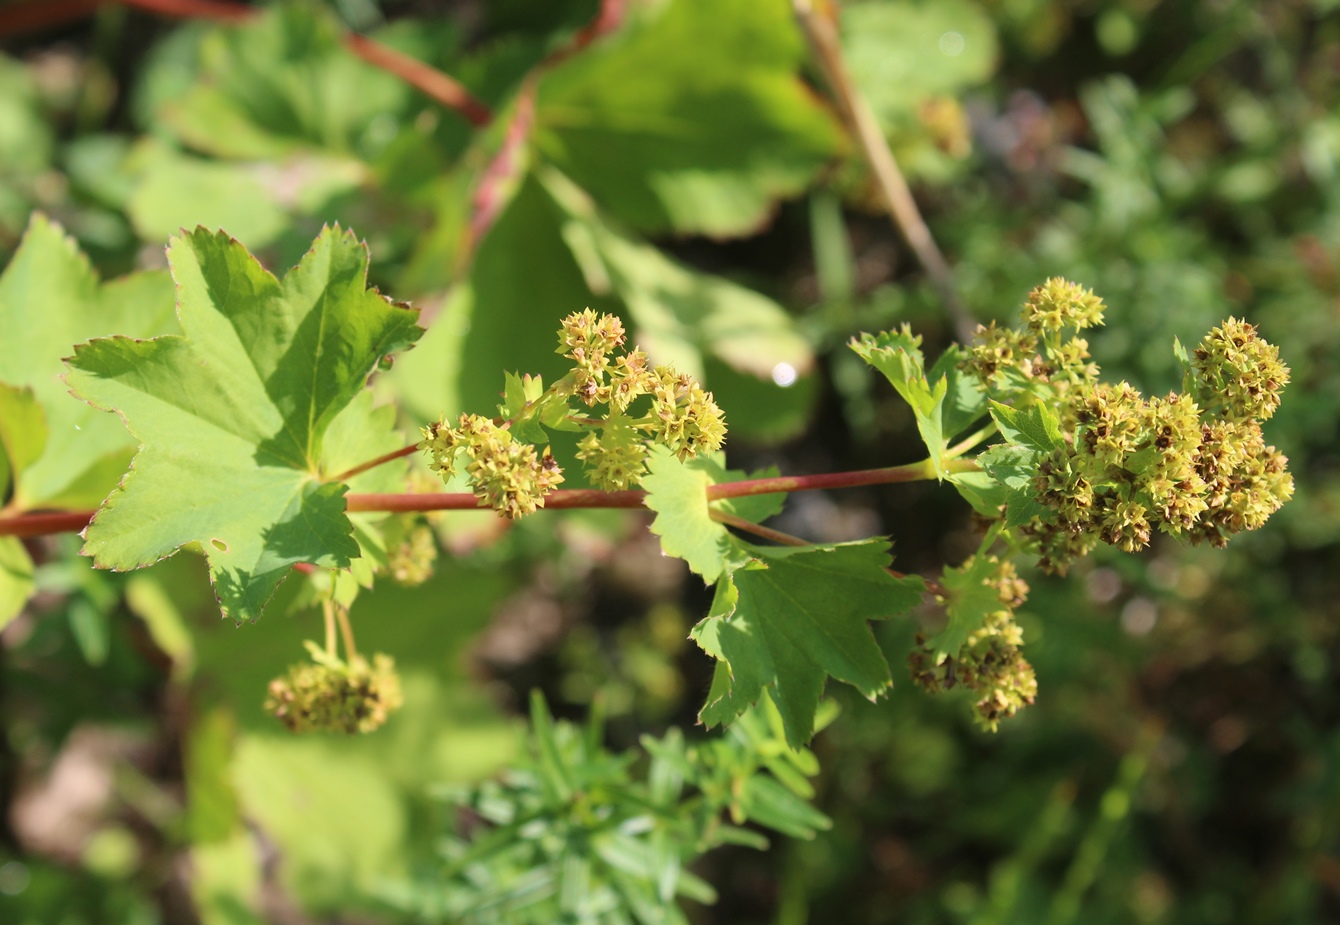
[[461, 501], [422, 77], [374, 463], [25, 525], [40, 14], [31, 17], [39, 524], [219, 10], [913, 472]]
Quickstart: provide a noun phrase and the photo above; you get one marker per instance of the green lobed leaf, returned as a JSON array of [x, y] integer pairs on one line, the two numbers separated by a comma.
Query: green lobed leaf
[[1035, 427], [903, 52], [232, 417], [981, 490], [1014, 468], [61, 452], [897, 354], [799, 616], [677, 492]]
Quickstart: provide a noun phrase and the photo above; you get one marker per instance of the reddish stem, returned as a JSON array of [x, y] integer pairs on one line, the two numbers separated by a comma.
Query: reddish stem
[[461, 501], [374, 463], [423, 77], [24, 525], [68, 521]]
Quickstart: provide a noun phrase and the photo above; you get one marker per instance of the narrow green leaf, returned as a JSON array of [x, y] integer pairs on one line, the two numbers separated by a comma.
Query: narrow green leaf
[[232, 417], [768, 803], [554, 771]]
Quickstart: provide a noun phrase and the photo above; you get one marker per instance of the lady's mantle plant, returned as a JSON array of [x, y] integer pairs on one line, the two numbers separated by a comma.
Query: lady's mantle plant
[[259, 446]]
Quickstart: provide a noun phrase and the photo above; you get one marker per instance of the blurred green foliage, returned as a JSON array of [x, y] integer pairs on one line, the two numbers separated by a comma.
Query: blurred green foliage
[[1182, 764]]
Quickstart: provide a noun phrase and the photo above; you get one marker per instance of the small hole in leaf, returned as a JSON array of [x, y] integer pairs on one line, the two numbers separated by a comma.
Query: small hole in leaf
[[220, 545]]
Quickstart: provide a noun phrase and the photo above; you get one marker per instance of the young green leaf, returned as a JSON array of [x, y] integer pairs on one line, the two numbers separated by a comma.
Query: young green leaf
[[971, 596], [897, 354], [1014, 468], [1036, 427], [232, 417], [965, 399], [799, 616]]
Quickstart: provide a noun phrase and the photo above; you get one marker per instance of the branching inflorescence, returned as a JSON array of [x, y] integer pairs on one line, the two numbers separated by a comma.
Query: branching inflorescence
[[507, 471], [1086, 462], [1192, 464]]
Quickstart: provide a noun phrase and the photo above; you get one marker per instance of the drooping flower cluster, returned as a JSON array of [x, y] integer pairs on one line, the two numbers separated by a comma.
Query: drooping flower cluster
[[511, 476], [410, 561], [330, 695], [990, 662]]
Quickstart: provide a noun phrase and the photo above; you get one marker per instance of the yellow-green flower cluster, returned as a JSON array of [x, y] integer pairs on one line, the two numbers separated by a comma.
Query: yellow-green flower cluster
[[1059, 303], [1136, 464], [1239, 373], [990, 662], [334, 696], [687, 419], [507, 475], [615, 455], [1038, 358]]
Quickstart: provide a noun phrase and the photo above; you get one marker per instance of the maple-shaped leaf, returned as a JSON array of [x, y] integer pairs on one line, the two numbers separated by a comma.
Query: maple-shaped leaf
[[231, 417], [793, 617]]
